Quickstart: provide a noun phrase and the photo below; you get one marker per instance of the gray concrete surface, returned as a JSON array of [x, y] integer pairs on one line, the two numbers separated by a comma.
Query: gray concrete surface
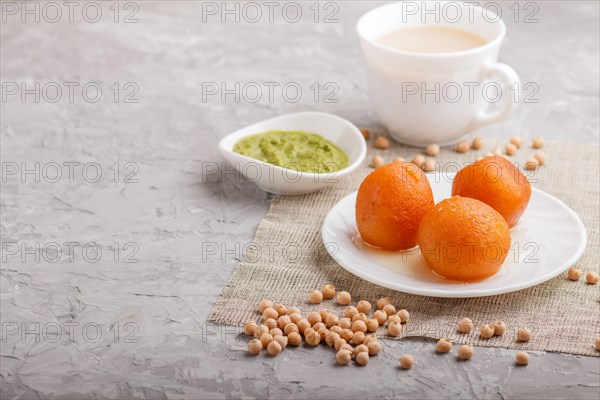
[[131, 323]]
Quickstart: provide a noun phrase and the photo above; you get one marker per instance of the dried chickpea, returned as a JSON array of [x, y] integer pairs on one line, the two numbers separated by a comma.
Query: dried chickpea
[[477, 143], [406, 361], [532, 164], [377, 162], [360, 316], [282, 340], [499, 328], [303, 325], [382, 302], [270, 323], [319, 325], [522, 358], [343, 298], [270, 313], [429, 165], [348, 347], [283, 321], [462, 147], [517, 141], [260, 330], [389, 309], [496, 151], [365, 132], [312, 337], [380, 316], [374, 347], [574, 274], [369, 338], [401, 159], [343, 357], [418, 160], [363, 306], [382, 142], [394, 318], [254, 346], [346, 334], [537, 142], [345, 323], [293, 310], [274, 348], [591, 278], [335, 329], [359, 326], [315, 297], [265, 339], [289, 328], [324, 313], [597, 343], [372, 325], [523, 335], [350, 312], [250, 327], [338, 343], [465, 325], [313, 318], [331, 320], [263, 305], [280, 308], [276, 332], [465, 352], [486, 331], [362, 358], [443, 346], [394, 329], [323, 332], [432, 150], [540, 157], [361, 348], [404, 316], [510, 149], [328, 292], [330, 338], [358, 337], [294, 339], [295, 317]]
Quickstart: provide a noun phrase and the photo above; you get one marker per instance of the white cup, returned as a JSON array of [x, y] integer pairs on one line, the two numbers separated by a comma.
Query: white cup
[[416, 95]]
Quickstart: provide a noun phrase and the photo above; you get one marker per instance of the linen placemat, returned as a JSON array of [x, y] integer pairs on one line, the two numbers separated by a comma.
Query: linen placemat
[[287, 259]]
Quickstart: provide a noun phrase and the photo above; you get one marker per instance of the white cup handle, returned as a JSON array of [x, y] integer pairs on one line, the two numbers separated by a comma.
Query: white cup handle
[[511, 78]]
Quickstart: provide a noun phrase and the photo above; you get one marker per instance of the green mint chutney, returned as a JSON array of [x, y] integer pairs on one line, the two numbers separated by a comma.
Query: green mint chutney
[[296, 150]]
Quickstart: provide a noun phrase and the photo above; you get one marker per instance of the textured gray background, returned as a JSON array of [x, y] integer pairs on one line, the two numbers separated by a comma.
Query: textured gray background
[[174, 211]]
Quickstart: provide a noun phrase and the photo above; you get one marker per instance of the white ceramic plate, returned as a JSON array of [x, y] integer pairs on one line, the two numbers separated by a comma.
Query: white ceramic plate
[[548, 239]]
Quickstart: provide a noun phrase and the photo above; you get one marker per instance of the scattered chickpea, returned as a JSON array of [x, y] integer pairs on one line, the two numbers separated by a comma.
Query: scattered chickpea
[[418, 160], [289, 328], [380, 316], [486, 331], [345, 323], [522, 358], [331, 320], [465, 325], [597, 343], [324, 313], [389, 309], [263, 305], [369, 338], [260, 330], [374, 347], [280, 308], [364, 306], [344, 298], [348, 347], [294, 339], [406, 361], [382, 142], [532, 164], [523, 335], [510, 149], [358, 337], [537, 142], [343, 357], [496, 151], [282, 340], [517, 141], [372, 325], [338, 343], [382, 302], [303, 325], [394, 318], [592, 278], [330, 338], [361, 348], [276, 332], [346, 334], [359, 326], [443, 346], [465, 351], [432, 150], [394, 329], [574, 274], [360, 316], [318, 326], [540, 157], [328, 292], [313, 318], [365, 132], [429, 165], [274, 348], [377, 162], [295, 317], [283, 321], [270, 323], [250, 327], [462, 147], [400, 159], [265, 339], [362, 358], [335, 329], [270, 313], [499, 328], [477, 143], [350, 312], [312, 337], [293, 310], [404, 316], [315, 296], [254, 346], [323, 332]]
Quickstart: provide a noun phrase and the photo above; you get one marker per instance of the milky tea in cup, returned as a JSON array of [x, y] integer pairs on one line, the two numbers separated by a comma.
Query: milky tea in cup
[[431, 39]]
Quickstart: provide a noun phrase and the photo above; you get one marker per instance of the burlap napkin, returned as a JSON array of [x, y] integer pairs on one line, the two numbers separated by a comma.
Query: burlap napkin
[[287, 259]]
